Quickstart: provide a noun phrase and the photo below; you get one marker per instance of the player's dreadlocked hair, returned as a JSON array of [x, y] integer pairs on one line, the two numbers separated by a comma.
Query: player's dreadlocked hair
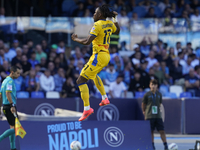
[[107, 11]]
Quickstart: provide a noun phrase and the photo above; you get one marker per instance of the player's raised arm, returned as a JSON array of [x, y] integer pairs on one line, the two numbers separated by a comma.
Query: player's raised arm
[[116, 23], [85, 41]]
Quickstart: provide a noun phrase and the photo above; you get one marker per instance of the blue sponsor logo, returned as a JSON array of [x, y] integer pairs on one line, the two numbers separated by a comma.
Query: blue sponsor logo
[[113, 136], [62, 135]]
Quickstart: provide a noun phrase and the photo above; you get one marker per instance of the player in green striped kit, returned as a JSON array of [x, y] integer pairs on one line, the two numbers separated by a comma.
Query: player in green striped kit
[[8, 97]]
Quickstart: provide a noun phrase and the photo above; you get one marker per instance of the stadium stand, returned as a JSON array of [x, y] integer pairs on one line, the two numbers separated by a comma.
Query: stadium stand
[[174, 61]]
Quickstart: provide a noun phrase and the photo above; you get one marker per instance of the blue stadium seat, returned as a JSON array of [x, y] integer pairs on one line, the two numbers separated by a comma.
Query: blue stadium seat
[[164, 89], [37, 95], [185, 95], [141, 11], [157, 11], [52, 94], [171, 95], [22, 94], [139, 94], [130, 14]]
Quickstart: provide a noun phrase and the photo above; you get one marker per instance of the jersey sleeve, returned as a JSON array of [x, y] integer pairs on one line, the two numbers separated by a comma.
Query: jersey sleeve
[[160, 98], [95, 30], [114, 28], [144, 100], [9, 86]]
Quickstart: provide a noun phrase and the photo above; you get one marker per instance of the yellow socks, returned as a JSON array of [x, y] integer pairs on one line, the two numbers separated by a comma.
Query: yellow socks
[[85, 94], [99, 84]]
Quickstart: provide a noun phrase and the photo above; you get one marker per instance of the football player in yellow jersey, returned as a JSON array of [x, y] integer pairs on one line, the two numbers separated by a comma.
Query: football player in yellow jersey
[[100, 38]]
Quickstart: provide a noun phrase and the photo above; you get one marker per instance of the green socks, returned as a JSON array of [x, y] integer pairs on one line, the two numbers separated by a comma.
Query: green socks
[[11, 134], [12, 141]]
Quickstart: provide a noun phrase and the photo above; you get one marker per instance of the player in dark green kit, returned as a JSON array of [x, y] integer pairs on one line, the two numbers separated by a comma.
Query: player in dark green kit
[[151, 103], [8, 97]]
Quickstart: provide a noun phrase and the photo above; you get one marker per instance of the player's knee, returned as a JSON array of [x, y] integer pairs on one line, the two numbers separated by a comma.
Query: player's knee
[[162, 132], [81, 80], [12, 127]]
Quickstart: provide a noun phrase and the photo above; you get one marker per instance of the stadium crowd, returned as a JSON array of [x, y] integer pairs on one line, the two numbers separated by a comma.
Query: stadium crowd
[[126, 8], [56, 67], [137, 8]]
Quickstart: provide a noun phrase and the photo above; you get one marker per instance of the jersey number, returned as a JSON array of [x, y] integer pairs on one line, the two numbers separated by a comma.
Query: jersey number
[[106, 32]]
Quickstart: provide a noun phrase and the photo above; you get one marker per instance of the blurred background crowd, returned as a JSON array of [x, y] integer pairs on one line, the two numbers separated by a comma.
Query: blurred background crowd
[[55, 65], [86, 8]]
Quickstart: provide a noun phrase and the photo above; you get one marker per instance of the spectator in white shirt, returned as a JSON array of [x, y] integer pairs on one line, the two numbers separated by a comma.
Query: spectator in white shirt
[[187, 66], [195, 61], [151, 59], [123, 19], [182, 61], [47, 81], [10, 54], [195, 17], [177, 48], [61, 47], [137, 58], [116, 88]]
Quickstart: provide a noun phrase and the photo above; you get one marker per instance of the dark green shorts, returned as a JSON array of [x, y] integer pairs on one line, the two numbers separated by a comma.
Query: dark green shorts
[[156, 123]]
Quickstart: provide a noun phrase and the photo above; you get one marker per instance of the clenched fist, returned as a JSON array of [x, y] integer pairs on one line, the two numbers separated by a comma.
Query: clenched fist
[[74, 36]]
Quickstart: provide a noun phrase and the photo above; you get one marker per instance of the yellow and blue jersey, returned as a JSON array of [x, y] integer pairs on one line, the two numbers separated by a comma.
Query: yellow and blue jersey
[[8, 85], [102, 30]]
